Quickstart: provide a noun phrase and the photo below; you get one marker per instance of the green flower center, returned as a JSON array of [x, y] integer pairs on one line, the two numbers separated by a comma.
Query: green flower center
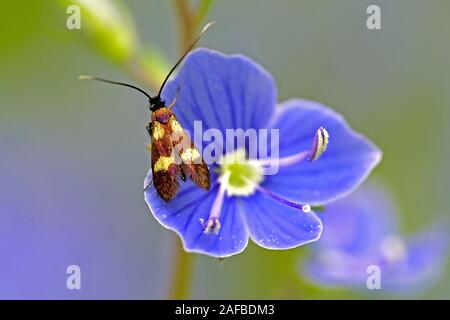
[[244, 174]]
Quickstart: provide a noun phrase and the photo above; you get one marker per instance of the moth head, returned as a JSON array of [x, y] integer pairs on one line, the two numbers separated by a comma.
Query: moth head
[[163, 115], [156, 103]]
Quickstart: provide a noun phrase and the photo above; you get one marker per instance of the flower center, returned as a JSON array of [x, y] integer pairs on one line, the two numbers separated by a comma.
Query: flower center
[[240, 176], [393, 249], [243, 175]]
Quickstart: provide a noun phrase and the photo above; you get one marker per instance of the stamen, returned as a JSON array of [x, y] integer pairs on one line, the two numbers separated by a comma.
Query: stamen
[[320, 143], [304, 207], [286, 161], [212, 226], [213, 223]]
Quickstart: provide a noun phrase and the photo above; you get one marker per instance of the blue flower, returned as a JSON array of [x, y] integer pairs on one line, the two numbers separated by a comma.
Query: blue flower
[[234, 92], [361, 231]]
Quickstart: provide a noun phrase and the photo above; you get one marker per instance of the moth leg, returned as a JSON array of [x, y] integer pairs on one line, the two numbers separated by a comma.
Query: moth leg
[[183, 175], [148, 186]]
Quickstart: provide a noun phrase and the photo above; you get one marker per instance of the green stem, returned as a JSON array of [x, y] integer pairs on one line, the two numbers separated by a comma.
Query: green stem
[[136, 70], [188, 20], [202, 11], [181, 273], [186, 23]]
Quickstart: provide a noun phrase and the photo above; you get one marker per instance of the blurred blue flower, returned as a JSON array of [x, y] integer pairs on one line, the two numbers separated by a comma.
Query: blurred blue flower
[[230, 92], [362, 231], [55, 212]]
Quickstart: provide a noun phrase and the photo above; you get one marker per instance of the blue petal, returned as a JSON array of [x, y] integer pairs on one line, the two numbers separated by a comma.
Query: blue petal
[[335, 269], [274, 225], [348, 160], [355, 229], [222, 91], [186, 213], [357, 223], [424, 263]]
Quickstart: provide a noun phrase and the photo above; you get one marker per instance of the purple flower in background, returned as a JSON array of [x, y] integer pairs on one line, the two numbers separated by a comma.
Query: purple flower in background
[[233, 92], [360, 232]]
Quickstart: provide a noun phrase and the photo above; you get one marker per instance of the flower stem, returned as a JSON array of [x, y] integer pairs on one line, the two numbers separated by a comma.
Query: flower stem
[[136, 70], [186, 23], [188, 20], [202, 11], [181, 272]]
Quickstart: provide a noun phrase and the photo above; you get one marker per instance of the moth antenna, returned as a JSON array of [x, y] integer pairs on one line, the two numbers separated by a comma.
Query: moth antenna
[[205, 28], [86, 77]]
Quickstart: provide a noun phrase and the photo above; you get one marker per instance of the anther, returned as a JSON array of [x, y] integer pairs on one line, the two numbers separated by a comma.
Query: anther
[[320, 144]]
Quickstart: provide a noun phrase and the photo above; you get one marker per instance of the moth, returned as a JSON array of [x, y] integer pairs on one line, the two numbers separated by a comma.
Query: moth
[[173, 154]]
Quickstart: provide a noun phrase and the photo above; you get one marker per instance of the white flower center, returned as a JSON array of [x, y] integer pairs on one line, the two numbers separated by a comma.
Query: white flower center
[[243, 176]]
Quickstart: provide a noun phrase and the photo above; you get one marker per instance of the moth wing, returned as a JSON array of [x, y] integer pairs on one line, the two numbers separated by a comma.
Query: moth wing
[[198, 173], [164, 169], [191, 163]]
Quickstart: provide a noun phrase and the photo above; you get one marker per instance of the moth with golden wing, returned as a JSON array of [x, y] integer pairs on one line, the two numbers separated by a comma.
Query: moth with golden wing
[[173, 154]]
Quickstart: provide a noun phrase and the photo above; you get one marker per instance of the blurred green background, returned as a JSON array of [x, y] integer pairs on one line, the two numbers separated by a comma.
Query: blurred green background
[[390, 84]]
